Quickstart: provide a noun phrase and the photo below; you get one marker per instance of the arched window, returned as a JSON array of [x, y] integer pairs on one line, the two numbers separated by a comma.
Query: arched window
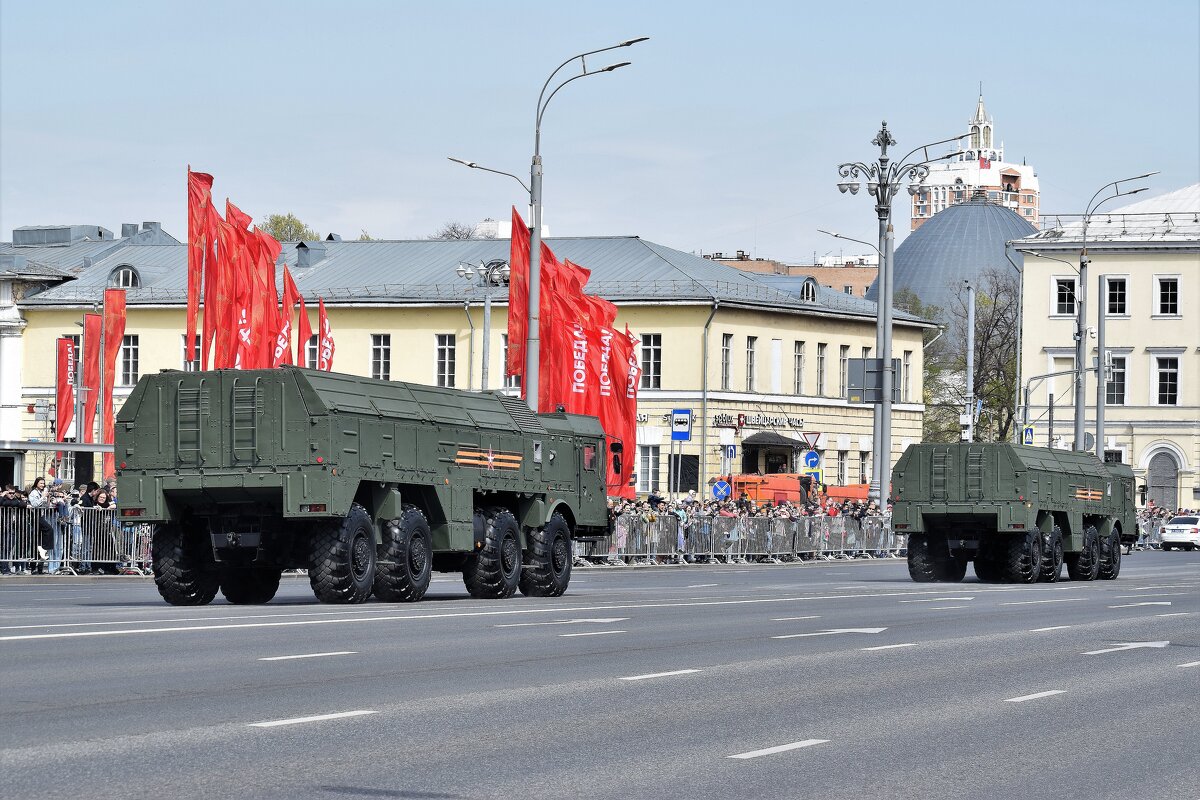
[[124, 277], [987, 135], [808, 292], [974, 137]]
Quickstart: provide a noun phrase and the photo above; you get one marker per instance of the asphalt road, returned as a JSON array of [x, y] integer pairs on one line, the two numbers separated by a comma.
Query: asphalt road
[[831, 680]]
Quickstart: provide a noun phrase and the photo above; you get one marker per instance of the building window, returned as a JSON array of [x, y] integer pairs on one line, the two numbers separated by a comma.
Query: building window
[[820, 369], [843, 369], [751, 343], [1114, 394], [310, 351], [445, 360], [647, 476], [651, 360], [1168, 381], [1168, 296], [129, 360], [191, 361], [841, 468], [808, 292], [511, 381], [864, 461], [798, 368], [726, 354], [124, 277], [906, 377], [848, 289], [1116, 296], [381, 356], [1064, 296]]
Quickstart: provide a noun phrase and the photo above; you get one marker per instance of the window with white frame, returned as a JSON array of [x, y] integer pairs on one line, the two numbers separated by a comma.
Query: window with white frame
[[129, 359], [381, 356], [751, 345], [310, 351], [798, 367], [841, 468], [1064, 295], [1114, 390], [511, 381], [843, 369], [1167, 375], [1116, 305], [124, 277], [445, 359], [848, 289], [647, 474], [864, 462], [651, 360], [820, 369], [906, 377], [1168, 296], [726, 356], [191, 361]]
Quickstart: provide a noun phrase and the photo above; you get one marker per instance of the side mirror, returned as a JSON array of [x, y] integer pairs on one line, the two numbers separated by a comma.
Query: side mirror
[[617, 463]]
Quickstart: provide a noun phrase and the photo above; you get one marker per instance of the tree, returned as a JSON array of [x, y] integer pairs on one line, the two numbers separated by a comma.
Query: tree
[[287, 228], [365, 237], [941, 414], [458, 230]]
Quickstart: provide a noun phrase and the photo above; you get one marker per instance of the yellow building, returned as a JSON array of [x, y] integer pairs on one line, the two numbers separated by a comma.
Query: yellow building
[[1148, 257], [757, 365]]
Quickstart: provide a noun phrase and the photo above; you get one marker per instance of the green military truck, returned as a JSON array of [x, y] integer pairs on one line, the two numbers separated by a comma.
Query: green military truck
[[1017, 512], [370, 485]]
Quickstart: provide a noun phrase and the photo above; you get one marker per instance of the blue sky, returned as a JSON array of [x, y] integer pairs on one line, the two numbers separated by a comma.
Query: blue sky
[[724, 134]]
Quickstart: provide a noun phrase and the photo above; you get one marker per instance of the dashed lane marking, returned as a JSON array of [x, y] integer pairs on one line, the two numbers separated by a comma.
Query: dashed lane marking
[[1175, 614], [311, 655], [783, 748], [1036, 696], [701, 585], [1035, 602], [660, 675], [1189, 664], [936, 599], [790, 619], [1136, 605], [891, 646], [945, 608], [319, 718], [589, 633], [1051, 628]]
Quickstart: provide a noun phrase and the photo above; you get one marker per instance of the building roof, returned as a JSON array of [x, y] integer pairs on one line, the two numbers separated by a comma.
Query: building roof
[[1165, 220], [625, 269], [958, 243]]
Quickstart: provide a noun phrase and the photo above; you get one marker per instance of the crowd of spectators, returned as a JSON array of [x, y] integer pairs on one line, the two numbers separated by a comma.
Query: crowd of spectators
[[60, 544], [691, 506], [1152, 516]]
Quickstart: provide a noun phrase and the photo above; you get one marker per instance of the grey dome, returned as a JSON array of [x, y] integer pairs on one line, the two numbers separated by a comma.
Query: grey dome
[[955, 244]]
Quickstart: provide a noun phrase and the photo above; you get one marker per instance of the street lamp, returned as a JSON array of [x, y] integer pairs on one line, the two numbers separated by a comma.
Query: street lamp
[[473, 165], [487, 276], [1081, 321], [884, 179]]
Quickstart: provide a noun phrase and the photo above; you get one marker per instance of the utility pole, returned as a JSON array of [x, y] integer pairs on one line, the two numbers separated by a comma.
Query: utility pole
[[968, 426]]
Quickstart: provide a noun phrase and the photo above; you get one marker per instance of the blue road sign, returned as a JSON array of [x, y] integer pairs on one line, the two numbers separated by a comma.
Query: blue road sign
[[731, 451], [812, 459], [1027, 435], [681, 425], [721, 490]]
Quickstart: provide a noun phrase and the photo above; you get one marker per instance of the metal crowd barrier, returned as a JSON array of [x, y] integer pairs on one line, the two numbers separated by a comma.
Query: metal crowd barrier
[[657, 538], [1150, 533], [74, 539]]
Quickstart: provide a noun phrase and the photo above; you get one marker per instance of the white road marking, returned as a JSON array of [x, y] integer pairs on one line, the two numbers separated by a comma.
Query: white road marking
[[790, 619], [660, 675], [602, 620], [1156, 594], [311, 655], [1135, 605], [1189, 664], [701, 585], [936, 599], [1051, 628], [783, 748], [1126, 646], [1037, 696], [830, 632], [319, 718], [1174, 614], [590, 633], [1035, 602], [944, 608], [891, 646]]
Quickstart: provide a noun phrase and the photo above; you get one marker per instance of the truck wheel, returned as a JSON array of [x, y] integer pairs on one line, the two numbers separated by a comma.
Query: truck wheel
[[1110, 557], [249, 586], [494, 571], [548, 570], [1085, 565], [184, 569], [341, 559], [1052, 557], [405, 561], [1023, 558], [929, 560]]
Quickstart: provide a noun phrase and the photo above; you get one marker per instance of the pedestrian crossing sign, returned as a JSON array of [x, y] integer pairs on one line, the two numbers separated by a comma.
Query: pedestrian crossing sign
[[1027, 435]]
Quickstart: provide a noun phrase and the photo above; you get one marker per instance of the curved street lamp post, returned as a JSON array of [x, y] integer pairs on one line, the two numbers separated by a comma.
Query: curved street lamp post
[[884, 178], [487, 276]]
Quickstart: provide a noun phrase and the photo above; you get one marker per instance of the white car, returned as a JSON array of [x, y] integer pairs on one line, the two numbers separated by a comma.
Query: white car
[[1182, 532]]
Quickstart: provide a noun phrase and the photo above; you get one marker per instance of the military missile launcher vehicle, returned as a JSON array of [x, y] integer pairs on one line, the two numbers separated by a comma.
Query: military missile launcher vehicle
[[370, 485], [1017, 512]]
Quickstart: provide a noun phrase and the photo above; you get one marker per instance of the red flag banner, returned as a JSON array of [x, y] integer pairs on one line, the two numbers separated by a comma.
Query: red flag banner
[[212, 283], [629, 413], [304, 336], [199, 198], [283, 340], [92, 325], [268, 298], [65, 394], [326, 348], [114, 333], [518, 297]]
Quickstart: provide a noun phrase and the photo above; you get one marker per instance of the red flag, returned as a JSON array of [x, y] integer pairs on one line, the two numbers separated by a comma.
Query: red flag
[[326, 347], [114, 333], [263, 305], [199, 198], [283, 340], [65, 402], [92, 325], [629, 412], [518, 297], [213, 275], [304, 336], [554, 332]]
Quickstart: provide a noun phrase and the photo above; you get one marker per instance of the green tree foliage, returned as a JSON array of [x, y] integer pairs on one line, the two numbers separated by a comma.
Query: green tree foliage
[[287, 228]]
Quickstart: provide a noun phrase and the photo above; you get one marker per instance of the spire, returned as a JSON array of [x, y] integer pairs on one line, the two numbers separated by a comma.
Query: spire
[[980, 111]]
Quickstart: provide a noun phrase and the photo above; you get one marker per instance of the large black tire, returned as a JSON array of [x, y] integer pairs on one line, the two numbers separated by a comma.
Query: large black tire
[[1110, 557], [1022, 557], [249, 585], [929, 560], [341, 559], [185, 571], [405, 562], [547, 568], [494, 571], [1052, 557], [1085, 565]]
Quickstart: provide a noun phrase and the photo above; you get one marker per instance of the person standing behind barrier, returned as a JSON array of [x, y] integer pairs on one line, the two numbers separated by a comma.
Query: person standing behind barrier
[[39, 499], [681, 532], [10, 501]]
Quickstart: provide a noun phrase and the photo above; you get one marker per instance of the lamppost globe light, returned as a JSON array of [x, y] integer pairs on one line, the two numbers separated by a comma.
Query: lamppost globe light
[[913, 188], [462, 270], [853, 187]]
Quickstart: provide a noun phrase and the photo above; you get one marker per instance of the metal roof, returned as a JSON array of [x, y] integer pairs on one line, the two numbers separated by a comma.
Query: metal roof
[[1170, 218]]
